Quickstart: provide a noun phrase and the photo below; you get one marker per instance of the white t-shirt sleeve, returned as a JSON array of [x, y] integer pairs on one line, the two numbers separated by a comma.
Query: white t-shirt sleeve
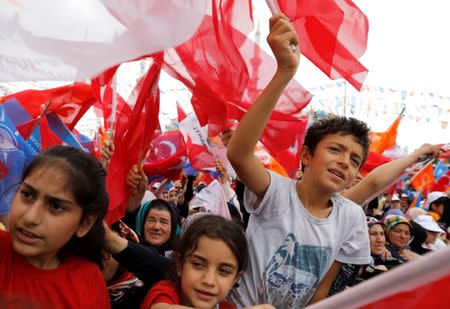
[[276, 198], [356, 246]]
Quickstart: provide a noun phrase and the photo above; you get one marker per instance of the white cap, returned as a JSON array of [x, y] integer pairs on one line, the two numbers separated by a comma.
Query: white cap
[[428, 223], [433, 196], [395, 198]]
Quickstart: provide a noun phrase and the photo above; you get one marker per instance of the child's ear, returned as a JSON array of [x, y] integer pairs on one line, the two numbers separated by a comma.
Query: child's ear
[[305, 155], [86, 225]]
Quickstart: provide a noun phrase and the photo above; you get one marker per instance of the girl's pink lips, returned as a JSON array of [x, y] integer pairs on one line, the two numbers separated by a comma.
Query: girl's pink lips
[[205, 296]]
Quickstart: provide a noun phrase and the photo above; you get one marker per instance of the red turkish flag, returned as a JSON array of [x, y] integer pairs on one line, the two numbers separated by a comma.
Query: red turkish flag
[[333, 35], [69, 102], [167, 156], [132, 137]]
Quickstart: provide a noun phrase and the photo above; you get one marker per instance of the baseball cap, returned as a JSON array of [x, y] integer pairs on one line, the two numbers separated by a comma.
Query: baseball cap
[[427, 222]]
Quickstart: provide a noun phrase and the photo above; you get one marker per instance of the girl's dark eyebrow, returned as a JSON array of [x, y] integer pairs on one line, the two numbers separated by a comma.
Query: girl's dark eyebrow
[[205, 260], [49, 198]]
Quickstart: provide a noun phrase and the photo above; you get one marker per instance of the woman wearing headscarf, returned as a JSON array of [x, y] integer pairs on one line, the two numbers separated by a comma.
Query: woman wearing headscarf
[[382, 259], [157, 225], [398, 232]]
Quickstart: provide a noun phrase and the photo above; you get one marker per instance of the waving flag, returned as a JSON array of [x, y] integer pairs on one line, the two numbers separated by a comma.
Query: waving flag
[[220, 66], [424, 178], [75, 40], [440, 170], [167, 155], [69, 102], [15, 155], [133, 134], [385, 140], [333, 34], [442, 184]]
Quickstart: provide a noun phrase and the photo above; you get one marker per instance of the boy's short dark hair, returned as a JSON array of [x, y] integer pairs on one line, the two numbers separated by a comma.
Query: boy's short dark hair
[[338, 125]]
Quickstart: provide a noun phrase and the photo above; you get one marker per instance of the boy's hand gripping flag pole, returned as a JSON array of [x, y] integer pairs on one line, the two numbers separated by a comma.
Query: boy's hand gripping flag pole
[[273, 6]]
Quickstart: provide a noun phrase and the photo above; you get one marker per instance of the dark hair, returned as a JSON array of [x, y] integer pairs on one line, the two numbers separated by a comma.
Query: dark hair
[[445, 218], [338, 125], [86, 179], [418, 237], [214, 227]]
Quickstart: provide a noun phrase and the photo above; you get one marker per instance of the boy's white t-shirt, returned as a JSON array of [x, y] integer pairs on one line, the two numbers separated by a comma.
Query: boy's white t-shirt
[[291, 250]]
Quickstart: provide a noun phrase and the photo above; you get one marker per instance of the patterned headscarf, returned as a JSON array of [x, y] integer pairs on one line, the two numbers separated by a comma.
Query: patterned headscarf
[[393, 220]]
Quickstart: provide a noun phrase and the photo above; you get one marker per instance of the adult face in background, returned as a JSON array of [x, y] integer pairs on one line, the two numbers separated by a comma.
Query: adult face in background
[[377, 240], [399, 236], [158, 226]]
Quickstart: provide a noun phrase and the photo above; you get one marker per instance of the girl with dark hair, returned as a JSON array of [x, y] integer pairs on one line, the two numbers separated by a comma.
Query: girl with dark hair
[[51, 255], [211, 256]]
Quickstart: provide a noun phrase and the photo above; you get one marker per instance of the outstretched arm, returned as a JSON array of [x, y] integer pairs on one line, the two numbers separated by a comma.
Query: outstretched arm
[[386, 173], [240, 148]]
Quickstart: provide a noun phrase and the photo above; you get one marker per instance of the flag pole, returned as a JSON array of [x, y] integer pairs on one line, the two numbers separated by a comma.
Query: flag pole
[[38, 119], [112, 119]]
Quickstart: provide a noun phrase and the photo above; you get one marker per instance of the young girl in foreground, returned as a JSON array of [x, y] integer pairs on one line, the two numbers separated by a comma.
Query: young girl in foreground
[[210, 258], [52, 253]]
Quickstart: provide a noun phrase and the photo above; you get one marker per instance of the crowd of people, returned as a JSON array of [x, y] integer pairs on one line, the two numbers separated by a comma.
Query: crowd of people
[[285, 243]]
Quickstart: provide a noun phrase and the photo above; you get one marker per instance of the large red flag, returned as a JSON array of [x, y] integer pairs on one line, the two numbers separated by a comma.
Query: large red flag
[[381, 141], [69, 102], [217, 65], [167, 156], [133, 134], [422, 283], [333, 34]]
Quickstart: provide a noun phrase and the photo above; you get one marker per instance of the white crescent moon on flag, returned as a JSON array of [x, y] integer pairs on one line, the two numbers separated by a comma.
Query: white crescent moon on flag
[[172, 147]]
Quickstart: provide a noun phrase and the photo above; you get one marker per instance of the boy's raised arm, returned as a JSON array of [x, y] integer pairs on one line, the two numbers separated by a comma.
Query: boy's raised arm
[[240, 148], [386, 173]]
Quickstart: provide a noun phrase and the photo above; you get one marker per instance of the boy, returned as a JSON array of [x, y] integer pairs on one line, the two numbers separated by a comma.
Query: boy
[[299, 232]]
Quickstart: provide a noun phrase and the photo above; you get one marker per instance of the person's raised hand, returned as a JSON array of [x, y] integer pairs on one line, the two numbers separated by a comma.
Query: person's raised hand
[[106, 153], [137, 181], [428, 150], [282, 35], [221, 170]]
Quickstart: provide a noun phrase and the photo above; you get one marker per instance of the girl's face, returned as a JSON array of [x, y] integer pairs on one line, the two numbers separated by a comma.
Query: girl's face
[[44, 216], [157, 227], [400, 235], [208, 273], [377, 240]]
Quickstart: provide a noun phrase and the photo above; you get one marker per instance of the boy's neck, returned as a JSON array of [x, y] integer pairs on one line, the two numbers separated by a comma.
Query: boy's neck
[[314, 199]]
